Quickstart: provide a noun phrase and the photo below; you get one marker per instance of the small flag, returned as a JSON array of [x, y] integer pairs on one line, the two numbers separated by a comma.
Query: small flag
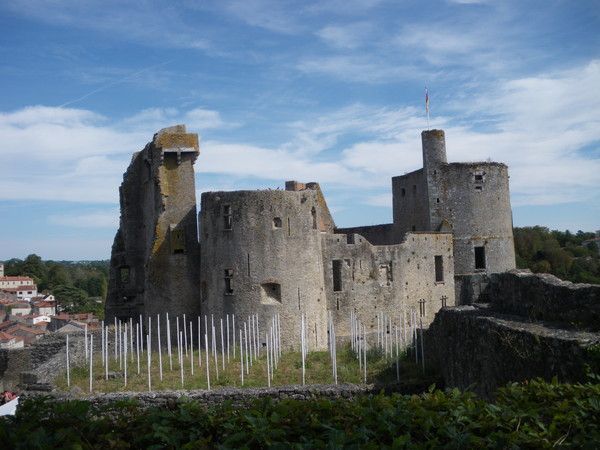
[[426, 100]]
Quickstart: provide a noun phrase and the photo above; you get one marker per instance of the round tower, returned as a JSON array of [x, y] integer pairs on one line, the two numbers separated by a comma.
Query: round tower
[[261, 254], [434, 148]]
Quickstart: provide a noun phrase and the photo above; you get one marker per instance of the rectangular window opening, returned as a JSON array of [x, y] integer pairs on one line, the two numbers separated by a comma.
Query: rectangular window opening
[[227, 217], [439, 269], [479, 258], [337, 275], [228, 281]]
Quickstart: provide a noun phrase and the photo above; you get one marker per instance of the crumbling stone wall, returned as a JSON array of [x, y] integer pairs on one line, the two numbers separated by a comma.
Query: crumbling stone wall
[[476, 348], [545, 297], [155, 256], [386, 280], [243, 397]]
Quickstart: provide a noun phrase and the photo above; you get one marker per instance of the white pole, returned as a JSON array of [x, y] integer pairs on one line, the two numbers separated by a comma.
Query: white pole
[[246, 346], [120, 346], [228, 338], [251, 331], [68, 364], [360, 345], [185, 335], [102, 342], [191, 348], [181, 358], [268, 361], [258, 336], [169, 346], [206, 353], [85, 341], [116, 340], [141, 322], [241, 357], [278, 336], [303, 356], [233, 327], [160, 368], [178, 348], [422, 349], [213, 335], [91, 360], [125, 358], [131, 338], [272, 351], [414, 331], [364, 352], [199, 345], [214, 339], [397, 357], [148, 361], [137, 345], [106, 353], [222, 345]]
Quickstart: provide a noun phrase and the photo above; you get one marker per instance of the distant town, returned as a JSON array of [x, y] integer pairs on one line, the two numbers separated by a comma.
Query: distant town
[[27, 312]]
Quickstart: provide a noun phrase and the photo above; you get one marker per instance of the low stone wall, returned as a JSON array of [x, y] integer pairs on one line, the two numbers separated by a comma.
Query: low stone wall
[[238, 397], [545, 297], [36, 366], [476, 348]]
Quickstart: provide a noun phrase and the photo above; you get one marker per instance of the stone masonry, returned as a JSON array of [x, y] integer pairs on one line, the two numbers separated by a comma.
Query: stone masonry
[[270, 252]]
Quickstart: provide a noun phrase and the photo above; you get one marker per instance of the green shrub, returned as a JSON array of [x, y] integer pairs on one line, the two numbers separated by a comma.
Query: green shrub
[[531, 415]]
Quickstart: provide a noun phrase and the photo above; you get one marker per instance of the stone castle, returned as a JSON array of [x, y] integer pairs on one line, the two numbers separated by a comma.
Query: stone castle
[[279, 251]]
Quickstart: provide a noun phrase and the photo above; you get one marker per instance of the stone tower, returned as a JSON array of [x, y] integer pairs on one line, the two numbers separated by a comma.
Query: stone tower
[[469, 199], [154, 265], [261, 254]]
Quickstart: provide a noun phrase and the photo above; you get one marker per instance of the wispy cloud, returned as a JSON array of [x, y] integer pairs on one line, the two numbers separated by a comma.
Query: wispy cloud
[[108, 218]]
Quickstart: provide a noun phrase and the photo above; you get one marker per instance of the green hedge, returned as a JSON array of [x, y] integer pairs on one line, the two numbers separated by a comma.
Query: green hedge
[[533, 415]]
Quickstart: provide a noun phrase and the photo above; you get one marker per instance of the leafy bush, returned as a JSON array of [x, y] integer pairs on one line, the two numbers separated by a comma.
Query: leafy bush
[[531, 415]]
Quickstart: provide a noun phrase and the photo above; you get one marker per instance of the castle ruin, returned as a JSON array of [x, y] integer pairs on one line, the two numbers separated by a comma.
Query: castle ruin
[[279, 251]]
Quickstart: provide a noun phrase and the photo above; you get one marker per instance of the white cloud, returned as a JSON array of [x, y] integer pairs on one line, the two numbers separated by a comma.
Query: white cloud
[[106, 218], [357, 68], [348, 36]]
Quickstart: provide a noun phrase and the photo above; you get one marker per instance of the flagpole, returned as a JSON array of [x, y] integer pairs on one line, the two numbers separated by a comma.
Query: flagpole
[[427, 105]]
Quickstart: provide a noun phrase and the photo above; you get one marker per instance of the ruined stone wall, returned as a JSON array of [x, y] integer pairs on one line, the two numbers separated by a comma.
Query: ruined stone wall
[[384, 234], [36, 366], [410, 203], [386, 280], [545, 297], [155, 256], [482, 350], [273, 249]]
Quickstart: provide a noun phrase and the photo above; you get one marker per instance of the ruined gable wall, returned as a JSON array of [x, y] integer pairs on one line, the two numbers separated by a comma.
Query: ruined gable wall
[[157, 198], [366, 287], [261, 254]]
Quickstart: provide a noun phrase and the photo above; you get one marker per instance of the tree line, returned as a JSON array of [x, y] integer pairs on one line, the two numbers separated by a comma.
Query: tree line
[[560, 253], [78, 286]]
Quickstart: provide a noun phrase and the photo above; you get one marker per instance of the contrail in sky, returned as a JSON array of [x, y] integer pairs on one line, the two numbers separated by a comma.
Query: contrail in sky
[[113, 83]]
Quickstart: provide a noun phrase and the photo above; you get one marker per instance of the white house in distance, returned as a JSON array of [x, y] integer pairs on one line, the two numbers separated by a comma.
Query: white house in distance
[[22, 287]]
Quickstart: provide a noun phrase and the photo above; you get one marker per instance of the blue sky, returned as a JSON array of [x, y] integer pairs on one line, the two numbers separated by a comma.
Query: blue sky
[[330, 91]]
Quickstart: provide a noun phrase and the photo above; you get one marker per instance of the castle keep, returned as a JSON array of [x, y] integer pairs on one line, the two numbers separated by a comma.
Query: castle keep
[[278, 251]]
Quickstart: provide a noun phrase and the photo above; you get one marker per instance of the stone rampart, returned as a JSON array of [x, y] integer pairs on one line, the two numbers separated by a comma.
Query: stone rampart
[[476, 348], [545, 297]]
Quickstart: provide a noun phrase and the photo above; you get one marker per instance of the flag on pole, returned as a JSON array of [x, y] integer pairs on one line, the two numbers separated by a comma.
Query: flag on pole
[[427, 105]]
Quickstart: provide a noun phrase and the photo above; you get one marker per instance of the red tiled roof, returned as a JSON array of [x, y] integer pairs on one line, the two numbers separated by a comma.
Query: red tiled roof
[[8, 337], [16, 279], [44, 305], [19, 288]]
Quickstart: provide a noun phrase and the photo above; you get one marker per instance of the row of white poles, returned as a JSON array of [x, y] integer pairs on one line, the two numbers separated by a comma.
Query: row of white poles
[[392, 339], [123, 343]]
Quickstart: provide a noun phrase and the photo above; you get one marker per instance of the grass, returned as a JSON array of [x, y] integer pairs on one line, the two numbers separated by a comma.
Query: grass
[[288, 372]]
